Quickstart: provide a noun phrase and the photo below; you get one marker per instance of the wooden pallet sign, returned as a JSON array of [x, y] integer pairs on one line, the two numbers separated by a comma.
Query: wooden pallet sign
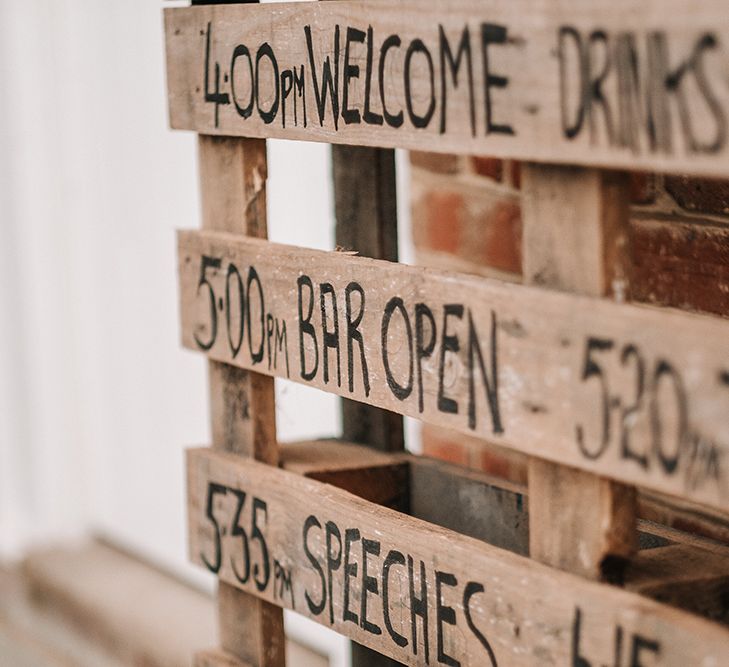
[[631, 392], [416, 592], [619, 83]]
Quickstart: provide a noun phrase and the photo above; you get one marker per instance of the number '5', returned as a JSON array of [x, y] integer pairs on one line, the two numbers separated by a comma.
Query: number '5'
[[206, 263], [256, 534], [592, 368], [213, 490]]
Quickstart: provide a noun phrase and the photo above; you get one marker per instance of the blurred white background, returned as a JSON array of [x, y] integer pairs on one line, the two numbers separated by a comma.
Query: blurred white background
[[97, 399]]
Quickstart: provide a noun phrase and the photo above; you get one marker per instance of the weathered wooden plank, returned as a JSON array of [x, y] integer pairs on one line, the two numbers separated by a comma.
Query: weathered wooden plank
[[686, 517], [233, 196], [313, 458], [575, 239], [217, 658], [365, 209], [633, 393], [367, 473], [684, 576], [665, 535], [619, 83], [233, 192], [470, 503], [476, 516], [692, 574], [411, 589]]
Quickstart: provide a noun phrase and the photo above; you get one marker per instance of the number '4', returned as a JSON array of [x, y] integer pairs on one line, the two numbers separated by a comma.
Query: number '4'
[[215, 96]]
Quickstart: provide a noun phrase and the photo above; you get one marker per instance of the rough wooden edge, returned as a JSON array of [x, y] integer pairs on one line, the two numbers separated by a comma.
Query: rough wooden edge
[[524, 435], [233, 193], [556, 590], [537, 129]]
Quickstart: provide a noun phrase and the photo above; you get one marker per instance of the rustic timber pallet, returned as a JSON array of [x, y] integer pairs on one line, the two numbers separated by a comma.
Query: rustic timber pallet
[[621, 408]]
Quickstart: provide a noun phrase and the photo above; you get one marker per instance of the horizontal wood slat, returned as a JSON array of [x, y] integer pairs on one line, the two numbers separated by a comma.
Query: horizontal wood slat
[[412, 590], [617, 83], [634, 393], [217, 658]]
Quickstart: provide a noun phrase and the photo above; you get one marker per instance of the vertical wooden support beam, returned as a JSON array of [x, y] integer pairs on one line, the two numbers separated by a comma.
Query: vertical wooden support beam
[[233, 188], [233, 176], [365, 204], [576, 239]]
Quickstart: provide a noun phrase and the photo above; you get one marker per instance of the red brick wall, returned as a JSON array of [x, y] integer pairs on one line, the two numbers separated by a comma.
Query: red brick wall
[[466, 217]]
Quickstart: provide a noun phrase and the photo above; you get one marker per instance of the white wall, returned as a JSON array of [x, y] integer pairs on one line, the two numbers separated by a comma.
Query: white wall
[[97, 399]]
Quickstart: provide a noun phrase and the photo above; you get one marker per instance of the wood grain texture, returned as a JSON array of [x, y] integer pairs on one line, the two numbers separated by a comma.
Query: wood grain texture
[[363, 471], [217, 658], [568, 369], [683, 576], [251, 629], [687, 517], [622, 83], [233, 195], [692, 574], [575, 231], [525, 612], [317, 457], [365, 210], [699, 528], [682, 265], [581, 522], [470, 503]]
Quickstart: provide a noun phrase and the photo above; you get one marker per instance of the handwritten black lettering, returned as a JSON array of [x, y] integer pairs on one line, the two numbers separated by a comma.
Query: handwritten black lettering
[[355, 335], [329, 338], [417, 46], [444, 614], [369, 116], [399, 391], [493, 34], [350, 72], [393, 558], [334, 561], [454, 65], [423, 350], [369, 585], [315, 608], [418, 608], [490, 380], [474, 588], [449, 344], [350, 570], [329, 83], [306, 327], [242, 51], [257, 356], [393, 120]]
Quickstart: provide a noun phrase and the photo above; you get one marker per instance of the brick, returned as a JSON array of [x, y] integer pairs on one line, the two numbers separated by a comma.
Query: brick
[[703, 195], [477, 454], [516, 174], [642, 188], [474, 223], [502, 463], [440, 446], [489, 167], [681, 265], [500, 243], [444, 211], [438, 163]]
